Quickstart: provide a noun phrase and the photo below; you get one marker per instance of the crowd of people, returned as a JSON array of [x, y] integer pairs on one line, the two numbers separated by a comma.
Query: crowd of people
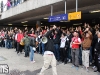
[[7, 4], [79, 46]]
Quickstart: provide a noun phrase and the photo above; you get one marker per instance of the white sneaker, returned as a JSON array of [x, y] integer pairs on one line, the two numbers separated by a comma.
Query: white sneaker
[[32, 61], [93, 67], [87, 70], [69, 60]]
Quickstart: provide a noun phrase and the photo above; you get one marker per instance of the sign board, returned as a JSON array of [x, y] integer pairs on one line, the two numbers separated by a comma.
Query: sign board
[[60, 17], [74, 16]]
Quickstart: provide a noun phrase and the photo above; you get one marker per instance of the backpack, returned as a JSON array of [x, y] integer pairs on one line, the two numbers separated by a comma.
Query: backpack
[[32, 42]]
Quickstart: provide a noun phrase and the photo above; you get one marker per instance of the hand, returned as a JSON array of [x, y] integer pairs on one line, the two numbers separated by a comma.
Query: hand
[[54, 27], [73, 42], [87, 29]]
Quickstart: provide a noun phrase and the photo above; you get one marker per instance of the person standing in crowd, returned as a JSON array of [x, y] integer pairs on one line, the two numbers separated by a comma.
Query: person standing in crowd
[[97, 54], [15, 2], [8, 5], [86, 44], [26, 42], [64, 44], [76, 41], [69, 35], [9, 40], [1, 37], [32, 47], [19, 38], [12, 3], [40, 43], [49, 58], [56, 39], [2, 6]]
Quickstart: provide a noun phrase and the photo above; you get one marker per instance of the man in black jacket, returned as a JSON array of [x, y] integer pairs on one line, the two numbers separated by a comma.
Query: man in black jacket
[[97, 53], [49, 58], [56, 40]]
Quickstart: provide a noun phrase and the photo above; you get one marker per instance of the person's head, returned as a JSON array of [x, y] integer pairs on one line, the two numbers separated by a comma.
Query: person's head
[[56, 32], [75, 34], [40, 33], [79, 28], [9, 32], [98, 34], [59, 27], [32, 29], [68, 32], [63, 35], [20, 31], [87, 35]]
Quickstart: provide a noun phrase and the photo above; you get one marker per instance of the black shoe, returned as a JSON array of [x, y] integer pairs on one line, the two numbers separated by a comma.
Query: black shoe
[[58, 60], [25, 56], [96, 71], [65, 62]]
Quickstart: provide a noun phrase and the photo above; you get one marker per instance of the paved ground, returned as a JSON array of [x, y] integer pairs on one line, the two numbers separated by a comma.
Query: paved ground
[[24, 67]]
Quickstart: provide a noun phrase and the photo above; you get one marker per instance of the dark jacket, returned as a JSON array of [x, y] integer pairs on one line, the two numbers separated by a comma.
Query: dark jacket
[[8, 37], [57, 39], [97, 46], [32, 42], [49, 46]]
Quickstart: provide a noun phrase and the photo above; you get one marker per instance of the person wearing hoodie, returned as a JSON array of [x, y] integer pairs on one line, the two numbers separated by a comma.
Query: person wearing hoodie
[[26, 41]]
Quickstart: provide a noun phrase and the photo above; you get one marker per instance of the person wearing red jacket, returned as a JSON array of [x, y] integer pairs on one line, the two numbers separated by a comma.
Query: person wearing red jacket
[[19, 38]]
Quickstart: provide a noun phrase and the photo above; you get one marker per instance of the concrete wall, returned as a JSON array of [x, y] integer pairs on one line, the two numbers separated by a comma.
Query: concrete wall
[[27, 6]]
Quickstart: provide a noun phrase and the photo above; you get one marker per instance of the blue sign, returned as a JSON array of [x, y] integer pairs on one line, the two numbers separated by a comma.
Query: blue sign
[[60, 17]]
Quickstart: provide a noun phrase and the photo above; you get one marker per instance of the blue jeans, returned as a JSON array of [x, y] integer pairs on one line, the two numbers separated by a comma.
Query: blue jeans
[[31, 53], [56, 52], [39, 47], [27, 49], [90, 54], [8, 7], [5, 43], [43, 48], [80, 55], [8, 44], [18, 1], [69, 53], [15, 3]]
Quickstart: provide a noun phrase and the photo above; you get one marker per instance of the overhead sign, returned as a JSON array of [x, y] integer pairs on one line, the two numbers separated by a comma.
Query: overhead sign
[[60, 17], [74, 16]]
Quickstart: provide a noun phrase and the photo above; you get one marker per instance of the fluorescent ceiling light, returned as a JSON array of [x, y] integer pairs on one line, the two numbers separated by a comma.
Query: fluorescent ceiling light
[[9, 24], [95, 11], [25, 21], [63, 27], [22, 22], [25, 25], [46, 18], [51, 25], [77, 24], [42, 26]]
